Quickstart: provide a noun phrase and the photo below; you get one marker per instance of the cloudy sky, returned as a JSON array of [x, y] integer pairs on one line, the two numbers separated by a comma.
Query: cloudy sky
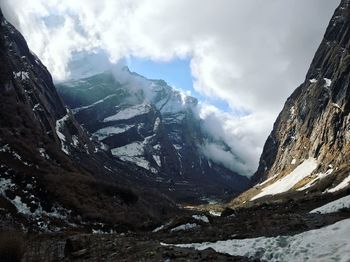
[[248, 54]]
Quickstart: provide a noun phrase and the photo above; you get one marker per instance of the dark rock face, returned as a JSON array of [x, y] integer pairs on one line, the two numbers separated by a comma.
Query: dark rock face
[[314, 122], [149, 124], [52, 175]]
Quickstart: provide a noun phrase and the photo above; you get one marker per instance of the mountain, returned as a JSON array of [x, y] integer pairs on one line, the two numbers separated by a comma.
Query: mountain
[[52, 175], [151, 125], [89, 173], [308, 150]]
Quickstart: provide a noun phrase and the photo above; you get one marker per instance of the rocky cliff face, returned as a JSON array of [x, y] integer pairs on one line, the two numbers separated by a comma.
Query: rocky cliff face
[[149, 124], [51, 174], [309, 147]]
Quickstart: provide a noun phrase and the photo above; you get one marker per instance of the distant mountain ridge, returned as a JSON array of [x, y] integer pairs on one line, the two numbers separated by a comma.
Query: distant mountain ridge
[[150, 124]]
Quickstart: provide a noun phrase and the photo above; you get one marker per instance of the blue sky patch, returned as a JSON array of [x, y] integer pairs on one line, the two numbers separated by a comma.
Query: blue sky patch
[[177, 73]]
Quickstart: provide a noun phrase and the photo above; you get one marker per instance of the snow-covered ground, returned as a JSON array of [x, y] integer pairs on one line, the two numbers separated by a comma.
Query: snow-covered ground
[[340, 186], [286, 183], [21, 75], [317, 177], [133, 152], [331, 243], [129, 113], [111, 130], [328, 82], [312, 81], [333, 206], [184, 227], [202, 218]]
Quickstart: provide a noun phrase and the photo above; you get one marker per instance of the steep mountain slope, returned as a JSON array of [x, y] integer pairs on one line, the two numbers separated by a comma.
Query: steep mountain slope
[[308, 150], [148, 123], [51, 174]]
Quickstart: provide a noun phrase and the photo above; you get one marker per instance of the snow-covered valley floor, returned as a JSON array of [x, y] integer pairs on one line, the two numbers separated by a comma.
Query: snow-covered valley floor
[[330, 243]]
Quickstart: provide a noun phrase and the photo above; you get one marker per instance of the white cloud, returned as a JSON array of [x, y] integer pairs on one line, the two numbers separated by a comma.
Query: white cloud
[[252, 54], [237, 140]]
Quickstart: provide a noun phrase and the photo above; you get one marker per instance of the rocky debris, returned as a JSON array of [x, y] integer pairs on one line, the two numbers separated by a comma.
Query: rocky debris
[[76, 246], [269, 220], [116, 248]]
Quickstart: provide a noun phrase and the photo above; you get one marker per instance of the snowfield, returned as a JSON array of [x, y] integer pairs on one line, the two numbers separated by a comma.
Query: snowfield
[[133, 152], [331, 243], [202, 218], [129, 113], [333, 206], [286, 183], [342, 185], [111, 130], [317, 177]]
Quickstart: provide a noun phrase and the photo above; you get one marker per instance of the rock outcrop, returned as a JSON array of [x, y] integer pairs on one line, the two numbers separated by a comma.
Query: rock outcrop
[[52, 175], [309, 147]]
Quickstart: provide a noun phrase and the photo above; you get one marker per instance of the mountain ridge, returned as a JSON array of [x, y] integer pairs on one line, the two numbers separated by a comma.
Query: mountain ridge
[[150, 124], [313, 125]]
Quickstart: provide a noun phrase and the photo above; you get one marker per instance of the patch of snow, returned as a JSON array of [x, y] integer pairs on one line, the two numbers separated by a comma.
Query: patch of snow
[[61, 136], [133, 153], [156, 147], [132, 149], [36, 106], [294, 161], [201, 218], [157, 159], [312, 81], [58, 212], [292, 112], [340, 186], [21, 75], [156, 124], [330, 243], [337, 106], [177, 147], [328, 82], [159, 228], [4, 185], [215, 213], [286, 183], [5, 148], [110, 130], [185, 227], [75, 140], [318, 176], [268, 180], [129, 113], [107, 168], [333, 206], [76, 110], [22, 207]]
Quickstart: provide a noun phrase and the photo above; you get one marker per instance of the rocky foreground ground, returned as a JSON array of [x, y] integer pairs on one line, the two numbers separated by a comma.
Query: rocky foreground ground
[[266, 219]]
